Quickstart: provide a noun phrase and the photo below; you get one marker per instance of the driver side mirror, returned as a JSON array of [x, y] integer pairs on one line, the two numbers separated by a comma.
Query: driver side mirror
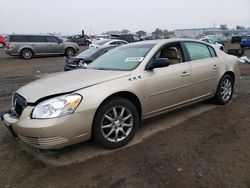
[[158, 63]]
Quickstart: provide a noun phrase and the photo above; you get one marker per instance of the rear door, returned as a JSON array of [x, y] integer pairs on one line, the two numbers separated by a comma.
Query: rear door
[[39, 44], [205, 68]]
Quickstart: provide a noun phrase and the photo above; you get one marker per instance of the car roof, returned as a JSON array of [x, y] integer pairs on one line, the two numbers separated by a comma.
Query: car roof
[[31, 35], [163, 41]]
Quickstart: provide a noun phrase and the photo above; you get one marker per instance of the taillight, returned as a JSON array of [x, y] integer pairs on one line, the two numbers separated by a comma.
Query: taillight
[[10, 45]]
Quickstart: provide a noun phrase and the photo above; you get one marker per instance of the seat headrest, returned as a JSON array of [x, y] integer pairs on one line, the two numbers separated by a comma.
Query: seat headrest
[[170, 53]]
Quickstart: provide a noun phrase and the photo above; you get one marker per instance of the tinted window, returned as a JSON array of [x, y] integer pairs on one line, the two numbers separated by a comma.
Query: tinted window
[[19, 38], [51, 39], [197, 50], [37, 39], [247, 37], [113, 43], [136, 39], [121, 42]]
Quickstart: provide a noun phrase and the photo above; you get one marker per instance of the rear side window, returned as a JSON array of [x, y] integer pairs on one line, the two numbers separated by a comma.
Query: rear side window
[[197, 50], [19, 38], [37, 38]]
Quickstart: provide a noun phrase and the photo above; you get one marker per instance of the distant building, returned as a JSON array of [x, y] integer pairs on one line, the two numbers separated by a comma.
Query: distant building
[[192, 33], [199, 32]]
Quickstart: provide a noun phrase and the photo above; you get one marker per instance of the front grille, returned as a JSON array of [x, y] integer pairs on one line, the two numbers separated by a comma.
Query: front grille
[[19, 104], [43, 142]]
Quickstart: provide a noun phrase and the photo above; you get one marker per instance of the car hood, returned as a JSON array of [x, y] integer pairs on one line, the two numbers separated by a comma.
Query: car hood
[[67, 82]]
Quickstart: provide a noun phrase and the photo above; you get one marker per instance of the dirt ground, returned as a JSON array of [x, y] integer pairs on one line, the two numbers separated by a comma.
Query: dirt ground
[[209, 150]]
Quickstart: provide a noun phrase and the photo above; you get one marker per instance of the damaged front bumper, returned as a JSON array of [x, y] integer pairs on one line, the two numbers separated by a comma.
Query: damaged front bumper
[[9, 118]]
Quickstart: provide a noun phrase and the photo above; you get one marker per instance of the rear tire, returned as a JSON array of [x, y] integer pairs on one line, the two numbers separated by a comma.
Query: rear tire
[[115, 123], [69, 52], [224, 91], [26, 53]]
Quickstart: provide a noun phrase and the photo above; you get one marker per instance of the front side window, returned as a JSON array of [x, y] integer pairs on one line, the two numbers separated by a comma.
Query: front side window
[[173, 52], [51, 39], [197, 50], [123, 58]]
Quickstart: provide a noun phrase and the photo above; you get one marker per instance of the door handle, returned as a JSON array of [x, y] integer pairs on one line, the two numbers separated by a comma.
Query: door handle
[[216, 66], [185, 74]]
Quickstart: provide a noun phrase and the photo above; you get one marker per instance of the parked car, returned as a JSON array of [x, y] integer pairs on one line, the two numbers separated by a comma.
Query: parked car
[[236, 39], [2, 41], [245, 42], [151, 37], [211, 41], [27, 46], [127, 37], [85, 57], [81, 40], [108, 42], [106, 101], [219, 38], [236, 52]]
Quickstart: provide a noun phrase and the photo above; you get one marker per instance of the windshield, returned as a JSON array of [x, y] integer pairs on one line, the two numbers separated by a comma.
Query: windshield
[[88, 52], [122, 58]]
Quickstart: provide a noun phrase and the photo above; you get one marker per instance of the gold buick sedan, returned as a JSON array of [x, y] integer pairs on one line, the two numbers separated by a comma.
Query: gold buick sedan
[[106, 101]]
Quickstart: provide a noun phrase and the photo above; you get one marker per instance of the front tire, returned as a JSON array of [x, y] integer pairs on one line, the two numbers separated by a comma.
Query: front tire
[[115, 123], [26, 53], [224, 91]]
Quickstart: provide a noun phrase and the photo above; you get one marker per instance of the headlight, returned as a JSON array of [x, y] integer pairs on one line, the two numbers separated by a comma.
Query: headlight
[[56, 107]]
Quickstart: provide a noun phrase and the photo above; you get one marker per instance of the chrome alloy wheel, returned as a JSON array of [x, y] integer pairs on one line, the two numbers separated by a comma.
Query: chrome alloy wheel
[[117, 123], [226, 90]]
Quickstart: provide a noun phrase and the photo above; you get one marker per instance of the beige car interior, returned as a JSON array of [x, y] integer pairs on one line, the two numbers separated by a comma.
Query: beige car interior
[[173, 53]]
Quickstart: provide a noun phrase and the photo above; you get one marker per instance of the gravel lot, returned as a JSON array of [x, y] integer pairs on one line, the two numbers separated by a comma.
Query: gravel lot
[[208, 150]]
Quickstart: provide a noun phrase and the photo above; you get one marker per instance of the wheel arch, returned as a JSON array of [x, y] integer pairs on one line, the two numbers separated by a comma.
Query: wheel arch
[[230, 73], [123, 94], [26, 47], [127, 95]]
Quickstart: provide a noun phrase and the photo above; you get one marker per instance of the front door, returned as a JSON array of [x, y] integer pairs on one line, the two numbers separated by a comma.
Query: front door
[[171, 86]]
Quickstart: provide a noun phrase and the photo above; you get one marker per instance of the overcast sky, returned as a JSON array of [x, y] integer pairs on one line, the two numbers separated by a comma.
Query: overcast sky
[[97, 16]]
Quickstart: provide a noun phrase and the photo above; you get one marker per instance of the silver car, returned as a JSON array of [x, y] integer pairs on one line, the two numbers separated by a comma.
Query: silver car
[[27, 46], [106, 101]]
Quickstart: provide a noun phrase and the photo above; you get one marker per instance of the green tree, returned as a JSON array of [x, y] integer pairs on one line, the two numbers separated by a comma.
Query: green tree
[[141, 33]]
